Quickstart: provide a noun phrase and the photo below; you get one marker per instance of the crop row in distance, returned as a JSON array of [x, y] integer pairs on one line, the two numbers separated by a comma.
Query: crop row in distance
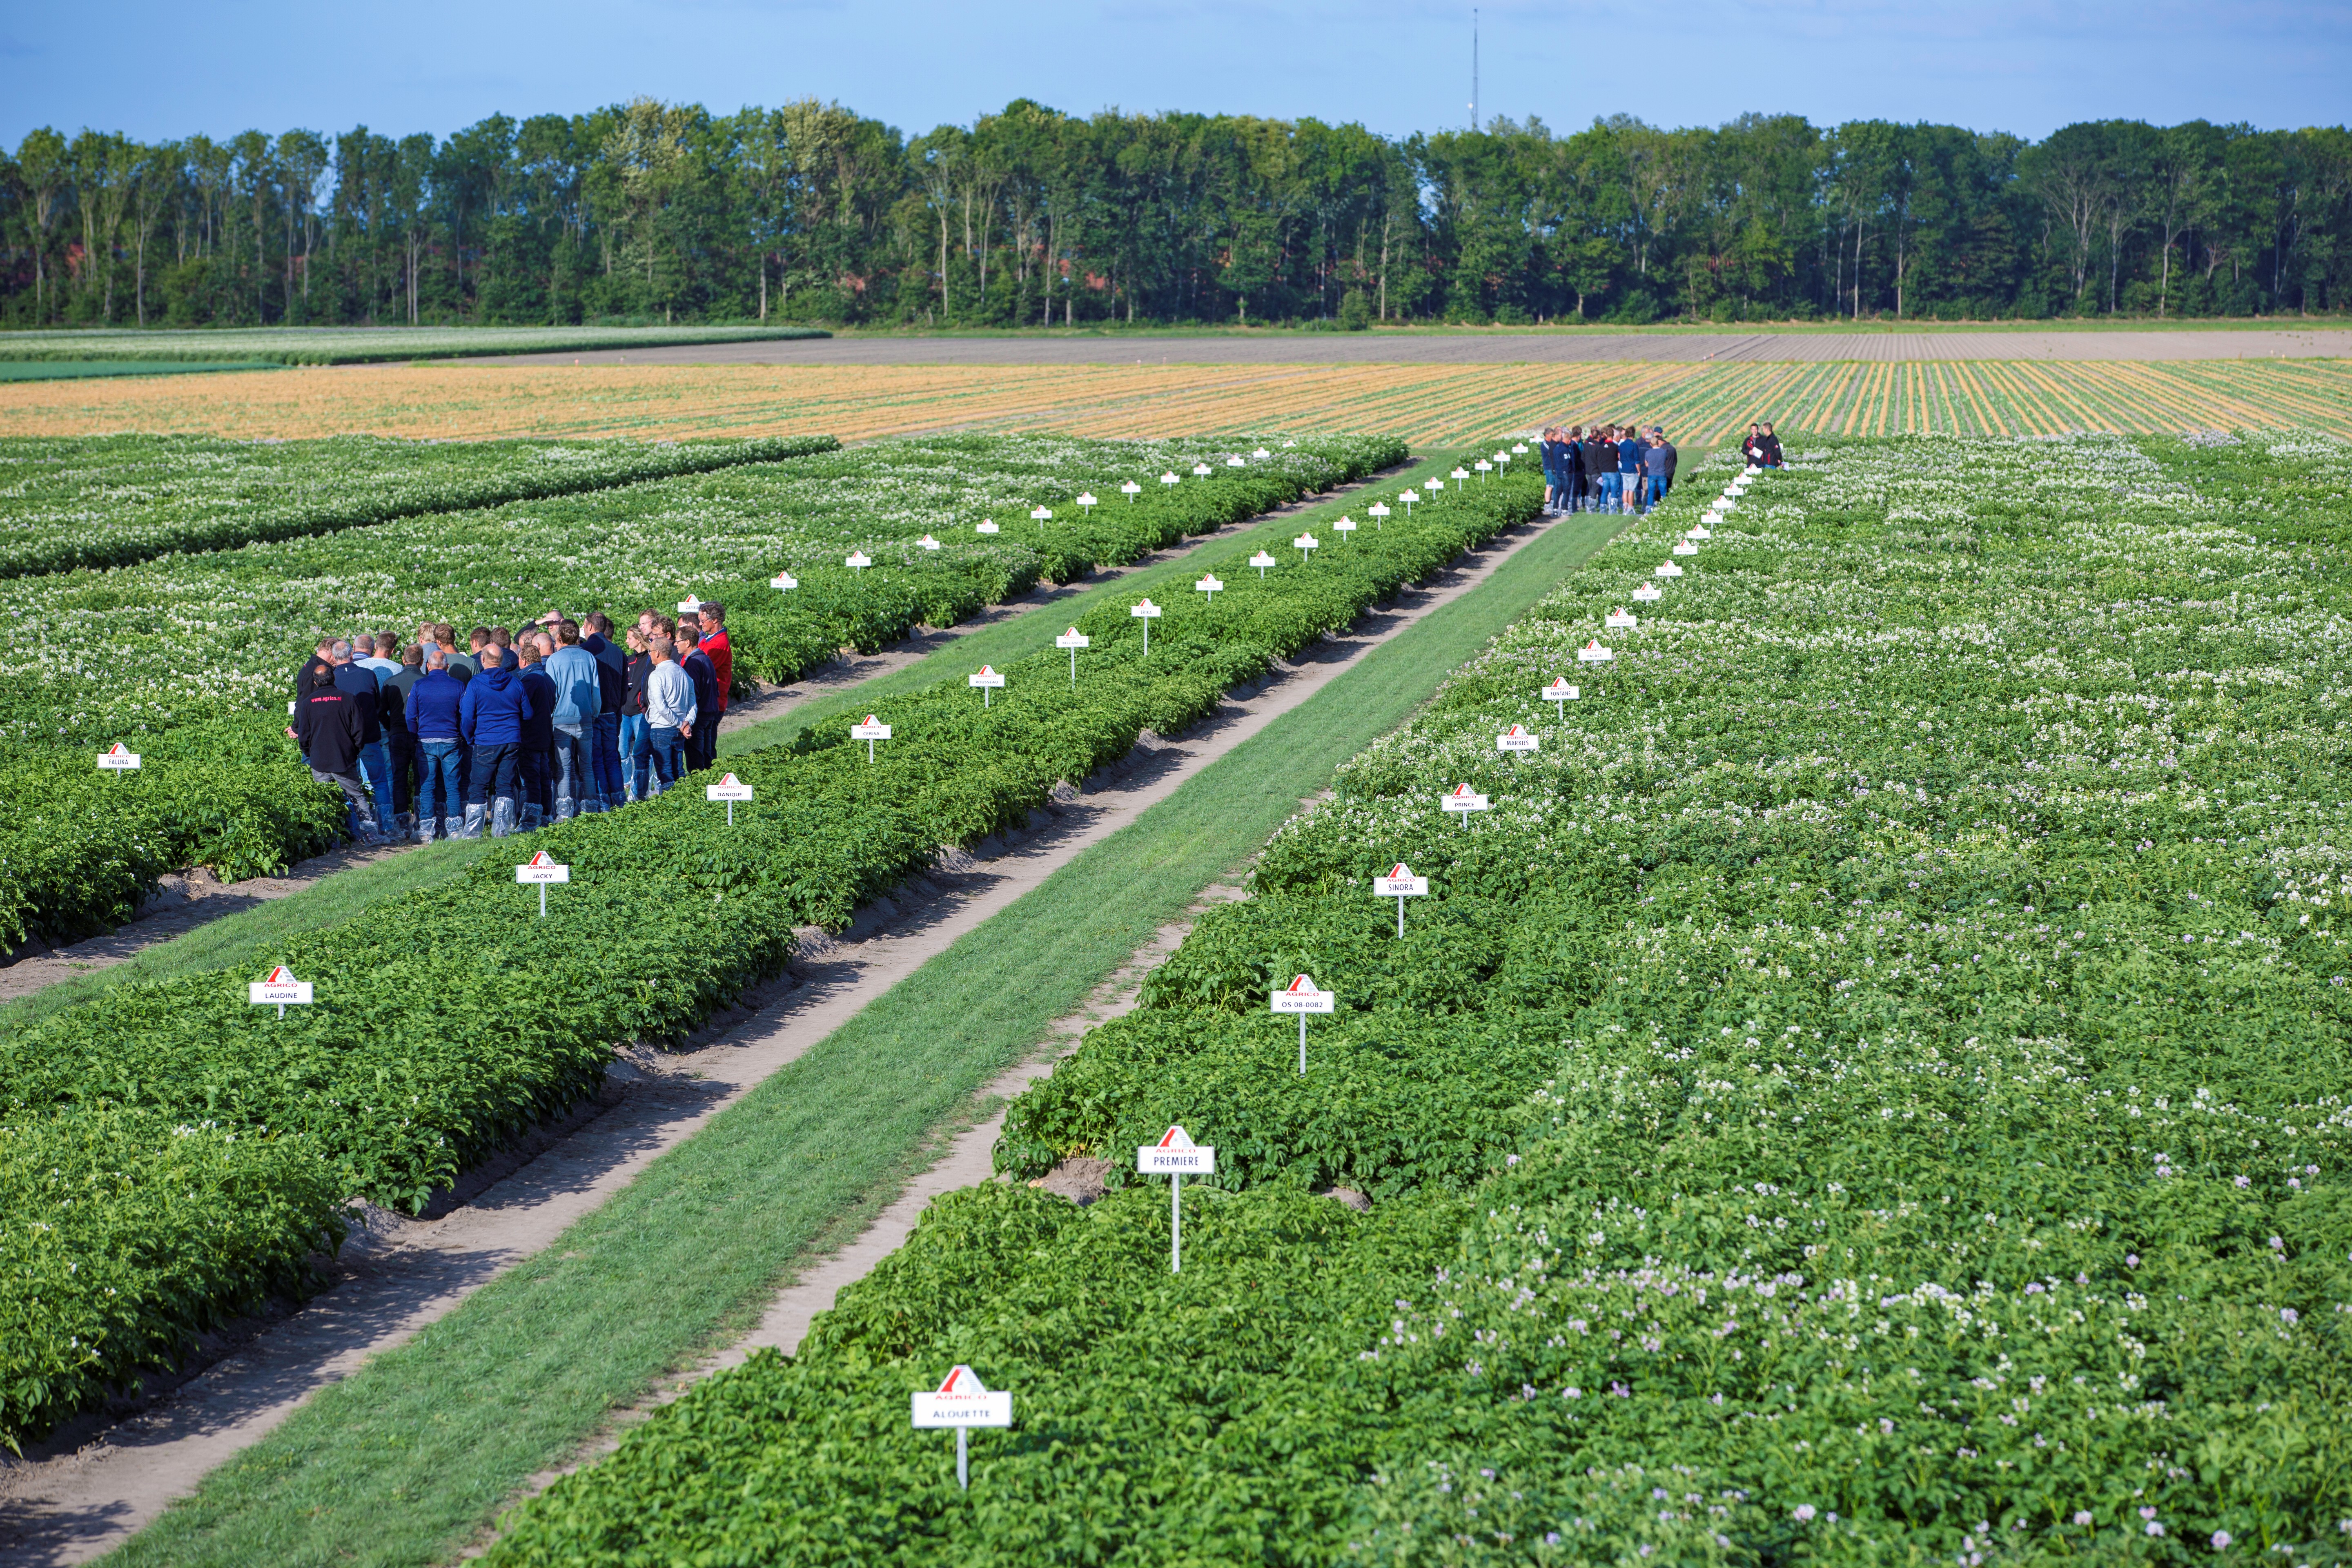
[[1871, 1088], [169, 1151], [1700, 404], [190, 658]]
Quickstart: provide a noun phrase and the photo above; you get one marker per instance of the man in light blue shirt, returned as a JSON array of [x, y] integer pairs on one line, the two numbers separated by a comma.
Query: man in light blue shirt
[[579, 698], [669, 714]]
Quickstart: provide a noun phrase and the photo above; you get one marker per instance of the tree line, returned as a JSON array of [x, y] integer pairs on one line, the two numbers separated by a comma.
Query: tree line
[[1030, 216]]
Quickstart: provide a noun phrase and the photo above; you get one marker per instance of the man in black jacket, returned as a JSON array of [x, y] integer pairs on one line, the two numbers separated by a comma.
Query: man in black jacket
[[327, 723], [705, 675]]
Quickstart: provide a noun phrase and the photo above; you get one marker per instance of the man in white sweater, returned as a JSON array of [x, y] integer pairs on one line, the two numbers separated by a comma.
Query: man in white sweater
[[669, 714]]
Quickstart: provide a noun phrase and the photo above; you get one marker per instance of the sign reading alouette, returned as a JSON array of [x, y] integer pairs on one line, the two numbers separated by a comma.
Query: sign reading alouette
[[281, 990], [729, 787], [1175, 1155], [962, 1400], [542, 868]]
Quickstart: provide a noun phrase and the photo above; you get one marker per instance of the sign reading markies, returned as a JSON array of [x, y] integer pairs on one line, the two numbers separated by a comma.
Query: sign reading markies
[[1517, 738]]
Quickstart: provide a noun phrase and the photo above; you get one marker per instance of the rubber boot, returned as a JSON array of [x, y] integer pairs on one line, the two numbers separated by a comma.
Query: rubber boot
[[473, 826], [532, 816], [502, 817], [451, 827], [425, 829]]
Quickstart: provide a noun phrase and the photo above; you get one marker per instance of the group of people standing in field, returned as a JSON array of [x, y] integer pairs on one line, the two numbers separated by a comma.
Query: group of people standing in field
[[1610, 468], [512, 729]]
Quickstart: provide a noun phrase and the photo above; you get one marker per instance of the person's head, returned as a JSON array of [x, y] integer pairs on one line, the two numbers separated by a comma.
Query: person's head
[[478, 638], [543, 643], [567, 632], [598, 622], [714, 616], [1768, 428], [387, 646], [688, 639], [326, 648], [663, 650], [425, 630], [503, 636], [437, 658], [323, 677], [340, 651], [689, 619], [646, 622], [527, 651], [664, 627], [412, 653], [636, 640]]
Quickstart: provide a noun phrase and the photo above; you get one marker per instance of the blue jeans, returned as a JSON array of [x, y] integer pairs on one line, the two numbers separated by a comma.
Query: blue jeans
[[575, 786], [494, 773], [375, 767], [1611, 491], [1659, 484], [606, 744], [635, 756], [668, 748], [440, 780]]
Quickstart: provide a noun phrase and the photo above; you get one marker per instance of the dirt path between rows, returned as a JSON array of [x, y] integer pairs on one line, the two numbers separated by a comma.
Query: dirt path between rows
[[192, 898], [88, 1490]]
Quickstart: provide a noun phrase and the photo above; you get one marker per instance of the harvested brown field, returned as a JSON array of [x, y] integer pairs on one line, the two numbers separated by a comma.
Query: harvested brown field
[[1427, 403]]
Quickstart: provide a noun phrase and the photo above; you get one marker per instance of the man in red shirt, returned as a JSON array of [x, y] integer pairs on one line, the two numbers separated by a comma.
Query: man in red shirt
[[721, 654]]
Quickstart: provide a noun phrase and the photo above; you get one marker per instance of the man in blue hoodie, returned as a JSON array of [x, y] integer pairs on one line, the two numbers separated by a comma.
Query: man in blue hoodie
[[491, 718], [434, 704], [579, 701]]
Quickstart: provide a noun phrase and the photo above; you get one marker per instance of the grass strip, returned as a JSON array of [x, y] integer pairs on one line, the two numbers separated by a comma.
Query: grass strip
[[403, 1462]]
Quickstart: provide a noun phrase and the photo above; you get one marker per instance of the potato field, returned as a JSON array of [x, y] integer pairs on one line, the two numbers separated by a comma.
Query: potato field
[[1871, 1089]]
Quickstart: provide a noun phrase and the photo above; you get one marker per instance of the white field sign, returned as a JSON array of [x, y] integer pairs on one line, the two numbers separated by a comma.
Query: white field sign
[[1400, 884], [118, 759], [1464, 800], [1262, 561], [783, 582], [1210, 584], [871, 731], [1517, 738], [278, 989], [1146, 611], [1301, 997], [541, 872], [1175, 1156], [989, 680], [1074, 639], [730, 789], [963, 1402]]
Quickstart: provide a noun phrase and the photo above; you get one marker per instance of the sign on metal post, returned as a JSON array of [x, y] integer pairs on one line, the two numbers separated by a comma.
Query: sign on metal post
[[1072, 640], [118, 759], [1377, 510], [990, 680], [730, 789], [1559, 690], [1301, 997], [1464, 800], [1400, 884], [1176, 1157], [1210, 584], [783, 582], [858, 561], [927, 543], [871, 731], [962, 1401], [1620, 620], [690, 605], [540, 871], [1344, 527], [1130, 490], [1593, 653], [1146, 611], [1517, 738], [986, 525], [1649, 592], [1302, 543], [280, 991], [1262, 560]]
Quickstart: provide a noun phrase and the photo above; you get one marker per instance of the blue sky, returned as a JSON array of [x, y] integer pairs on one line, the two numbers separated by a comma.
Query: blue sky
[[2028, 66]]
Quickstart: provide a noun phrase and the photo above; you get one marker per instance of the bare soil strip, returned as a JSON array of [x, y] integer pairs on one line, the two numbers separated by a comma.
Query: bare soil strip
[[1497, 348], [86, 1491]]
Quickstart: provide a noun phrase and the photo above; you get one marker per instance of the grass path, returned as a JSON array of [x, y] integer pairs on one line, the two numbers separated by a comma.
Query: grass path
[[406, 1461]]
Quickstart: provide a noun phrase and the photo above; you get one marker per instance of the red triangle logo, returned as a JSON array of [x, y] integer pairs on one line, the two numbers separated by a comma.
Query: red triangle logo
[[729, 781], [541, 858], [1399, 869], [1175, 1138], [1462, 792], [1302, 986], [871, 720], [281, 975], [118, 750], [964, 1380]]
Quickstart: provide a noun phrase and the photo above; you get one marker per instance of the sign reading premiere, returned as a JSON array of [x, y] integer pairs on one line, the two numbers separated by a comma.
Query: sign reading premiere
[[1175, 1155]]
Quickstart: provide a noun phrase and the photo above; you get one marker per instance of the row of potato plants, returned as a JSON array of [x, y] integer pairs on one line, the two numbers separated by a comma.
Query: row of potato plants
[[1872, 1090], [189, 659], [129, 1124], [97, 501]]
